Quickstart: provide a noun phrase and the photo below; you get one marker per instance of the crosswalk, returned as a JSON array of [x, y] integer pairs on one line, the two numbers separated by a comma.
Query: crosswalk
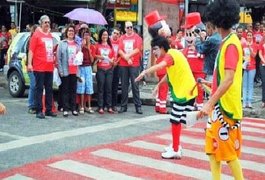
[[140, 158]]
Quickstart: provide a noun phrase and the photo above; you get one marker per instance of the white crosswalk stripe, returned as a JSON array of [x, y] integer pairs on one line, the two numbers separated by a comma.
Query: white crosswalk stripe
[[18, 177], [89, 170], [196, 155], [144, 153], [155, 164], [190, 140]]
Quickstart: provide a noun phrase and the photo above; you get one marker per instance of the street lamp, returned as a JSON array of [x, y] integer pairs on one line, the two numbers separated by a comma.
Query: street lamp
[[20, 9]]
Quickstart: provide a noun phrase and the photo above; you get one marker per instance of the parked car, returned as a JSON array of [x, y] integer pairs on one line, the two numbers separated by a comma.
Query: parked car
[[16, 70]]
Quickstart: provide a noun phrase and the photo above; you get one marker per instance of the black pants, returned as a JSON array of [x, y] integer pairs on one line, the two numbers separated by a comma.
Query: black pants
[[2, 57], [115, 85], [69, 84], [129, 73], [43, 80], [104, 83], [262, 73]]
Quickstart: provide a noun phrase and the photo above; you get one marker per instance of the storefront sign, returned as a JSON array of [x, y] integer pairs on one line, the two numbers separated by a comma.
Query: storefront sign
[[122, 15]]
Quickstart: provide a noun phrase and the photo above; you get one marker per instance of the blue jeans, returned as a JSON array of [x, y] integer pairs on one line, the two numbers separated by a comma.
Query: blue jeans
[[248, 83], [32, 83]]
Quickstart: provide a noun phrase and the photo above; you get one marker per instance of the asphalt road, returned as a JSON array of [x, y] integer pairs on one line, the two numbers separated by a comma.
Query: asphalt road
[[24, 138], [118, 146]]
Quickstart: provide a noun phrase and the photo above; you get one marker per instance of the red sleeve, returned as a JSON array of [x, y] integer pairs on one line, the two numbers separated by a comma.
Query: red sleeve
[[231, 57], [93, 50], [169, 60], [33, 42], [97, 50], [139, 43], [111, 55], [121, 44]]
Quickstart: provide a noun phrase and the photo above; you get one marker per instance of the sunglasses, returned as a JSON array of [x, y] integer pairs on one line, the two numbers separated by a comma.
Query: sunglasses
[[129, 27]]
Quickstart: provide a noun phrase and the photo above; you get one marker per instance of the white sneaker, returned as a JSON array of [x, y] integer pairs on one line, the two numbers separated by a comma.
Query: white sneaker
[[171, 154], [170, 147]]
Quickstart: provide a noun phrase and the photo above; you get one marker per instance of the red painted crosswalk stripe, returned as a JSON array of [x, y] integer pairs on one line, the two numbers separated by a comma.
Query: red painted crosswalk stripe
[[140, 158]]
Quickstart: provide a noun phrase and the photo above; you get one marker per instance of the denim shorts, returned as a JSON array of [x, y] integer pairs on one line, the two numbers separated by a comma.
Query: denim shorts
[[86, 86]]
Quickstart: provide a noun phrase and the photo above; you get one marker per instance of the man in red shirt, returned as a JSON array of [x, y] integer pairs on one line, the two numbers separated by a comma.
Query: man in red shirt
[[115, 40], [130, 47], [41, 62]]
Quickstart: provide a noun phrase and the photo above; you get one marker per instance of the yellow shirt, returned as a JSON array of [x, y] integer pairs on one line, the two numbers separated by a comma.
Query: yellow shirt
[[230, 102], [180, 78]]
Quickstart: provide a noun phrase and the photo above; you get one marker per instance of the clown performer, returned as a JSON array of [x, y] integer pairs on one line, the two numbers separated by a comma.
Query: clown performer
[[178, 72], [223, 133], [194, 58], [158, 26]]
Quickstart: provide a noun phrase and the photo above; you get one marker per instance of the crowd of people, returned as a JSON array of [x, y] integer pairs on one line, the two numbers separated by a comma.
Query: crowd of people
[[117, 58], [114, 56], [227, 58]]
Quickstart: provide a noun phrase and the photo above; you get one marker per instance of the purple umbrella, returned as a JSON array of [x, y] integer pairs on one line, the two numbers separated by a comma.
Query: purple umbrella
[[89, 16]]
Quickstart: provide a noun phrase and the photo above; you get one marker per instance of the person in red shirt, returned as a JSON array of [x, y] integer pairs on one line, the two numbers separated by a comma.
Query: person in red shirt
[[249, 51], [257, 34], [179, 41], [115, 40], [262, 68], [105, 56], [130, 55], [66, 54], [5, 37], [41, 61]]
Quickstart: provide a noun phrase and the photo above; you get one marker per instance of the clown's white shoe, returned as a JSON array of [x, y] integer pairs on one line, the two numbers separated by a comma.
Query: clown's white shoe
[[171, 154]]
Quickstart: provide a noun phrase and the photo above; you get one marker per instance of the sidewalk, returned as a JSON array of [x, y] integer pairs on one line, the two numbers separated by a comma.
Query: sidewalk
[[148, 99], [3, 81], [256, 112]]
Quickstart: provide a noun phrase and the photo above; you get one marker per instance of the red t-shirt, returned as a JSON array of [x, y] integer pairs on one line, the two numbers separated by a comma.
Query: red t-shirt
[[86, 54], [4, 38], [195, 60], [72, 50], [41, 46], [107, 52], [115, 46], [168, 59], [246, 52], [257, 35], [128, 44], [163, 71], [231, 60]]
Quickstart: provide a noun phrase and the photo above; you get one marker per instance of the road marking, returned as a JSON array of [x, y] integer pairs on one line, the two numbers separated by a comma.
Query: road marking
[[253, 124], [89, 170], [76, 132], [13, 100], [11, 135], [18, 177], [254, 166], [250, 118], [156, 164], [196, 141], [246, 137]]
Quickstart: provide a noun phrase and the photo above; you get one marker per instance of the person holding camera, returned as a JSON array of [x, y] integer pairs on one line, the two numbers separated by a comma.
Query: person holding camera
[[209, 47]]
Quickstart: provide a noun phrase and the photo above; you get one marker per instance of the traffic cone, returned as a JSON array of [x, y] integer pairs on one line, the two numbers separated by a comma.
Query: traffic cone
[[54, 109]]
